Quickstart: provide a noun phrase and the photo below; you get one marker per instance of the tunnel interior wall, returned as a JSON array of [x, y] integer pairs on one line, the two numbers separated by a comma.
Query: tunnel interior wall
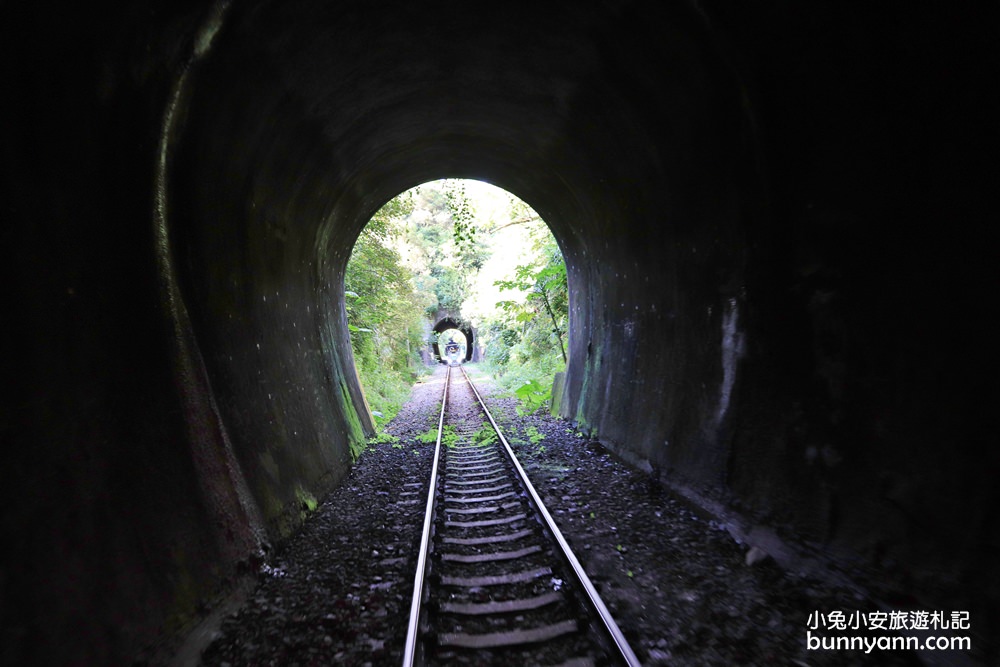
[[264, 285], [789, 324], [777, 228], [856, 394], [114, 538]]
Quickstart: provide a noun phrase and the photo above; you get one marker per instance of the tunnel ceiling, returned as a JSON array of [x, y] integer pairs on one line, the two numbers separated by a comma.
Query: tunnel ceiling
[[556, 106]]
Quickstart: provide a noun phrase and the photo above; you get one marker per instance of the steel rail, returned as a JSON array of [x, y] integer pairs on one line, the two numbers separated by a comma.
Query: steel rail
[[627, 654], [413, 631]]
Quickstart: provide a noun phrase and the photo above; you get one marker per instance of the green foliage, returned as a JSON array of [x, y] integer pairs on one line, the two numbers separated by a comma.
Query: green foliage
[[383, 438], [525, 341], [450, 287], [449, 438], [442, 247], [545, 287], [384, 311], [534, 435], [485, 435], [500, 339], [532, 396]]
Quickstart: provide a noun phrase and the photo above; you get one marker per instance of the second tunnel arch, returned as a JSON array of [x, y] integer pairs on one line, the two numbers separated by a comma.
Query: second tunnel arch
[[449, 322]]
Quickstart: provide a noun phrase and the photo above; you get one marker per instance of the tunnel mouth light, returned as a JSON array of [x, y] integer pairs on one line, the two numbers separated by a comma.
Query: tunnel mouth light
[[453, 271], [453, 346]]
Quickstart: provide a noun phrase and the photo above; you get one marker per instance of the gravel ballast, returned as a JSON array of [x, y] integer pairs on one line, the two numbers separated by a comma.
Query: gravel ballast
[[683, 591]]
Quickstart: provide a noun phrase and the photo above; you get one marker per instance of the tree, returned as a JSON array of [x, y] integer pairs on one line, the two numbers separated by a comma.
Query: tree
[[383, 309], [525, 338], [547, 291]]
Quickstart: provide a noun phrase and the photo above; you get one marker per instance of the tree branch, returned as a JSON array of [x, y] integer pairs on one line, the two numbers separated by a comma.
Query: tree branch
[[516, 221]]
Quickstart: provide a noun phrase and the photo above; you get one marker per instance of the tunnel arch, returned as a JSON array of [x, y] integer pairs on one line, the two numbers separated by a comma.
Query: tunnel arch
[[449, 322], [274, 177]]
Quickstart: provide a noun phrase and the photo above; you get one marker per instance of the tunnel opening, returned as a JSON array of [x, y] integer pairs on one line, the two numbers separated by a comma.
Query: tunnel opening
[[451, 347], [461, 255], [455, 332]]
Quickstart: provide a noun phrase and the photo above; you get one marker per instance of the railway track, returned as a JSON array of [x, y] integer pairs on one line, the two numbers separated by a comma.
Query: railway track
[[496, 583]]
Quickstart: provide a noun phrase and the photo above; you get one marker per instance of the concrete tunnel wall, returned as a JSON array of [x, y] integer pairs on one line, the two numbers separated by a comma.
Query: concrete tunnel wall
[[775, 228]]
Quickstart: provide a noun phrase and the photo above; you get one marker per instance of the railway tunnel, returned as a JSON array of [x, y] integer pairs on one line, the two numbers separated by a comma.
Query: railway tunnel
[[777, 224], [449, 322]]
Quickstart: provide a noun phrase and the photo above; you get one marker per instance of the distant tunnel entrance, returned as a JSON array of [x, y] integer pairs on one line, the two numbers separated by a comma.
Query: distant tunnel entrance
[[452, 323]]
